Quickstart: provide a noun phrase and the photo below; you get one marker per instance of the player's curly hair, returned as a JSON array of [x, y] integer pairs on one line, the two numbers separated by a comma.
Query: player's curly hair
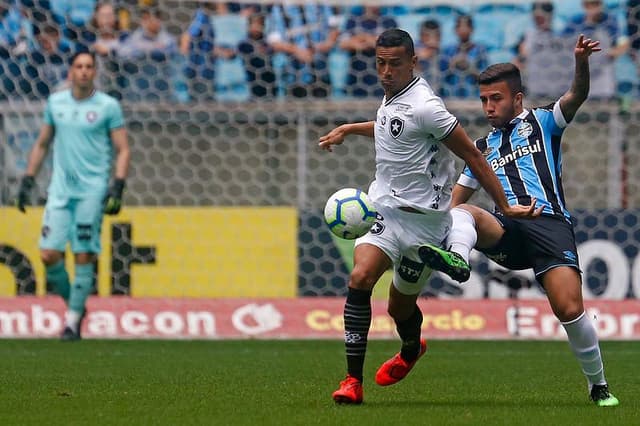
[[503, 72], [396, 37]]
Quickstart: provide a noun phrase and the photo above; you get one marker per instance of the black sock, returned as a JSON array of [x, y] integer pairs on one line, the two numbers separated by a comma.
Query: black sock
[[357, 320], [409, 331]]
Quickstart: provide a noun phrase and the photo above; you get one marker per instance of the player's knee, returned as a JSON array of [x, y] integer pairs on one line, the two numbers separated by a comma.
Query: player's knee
[[569, 312], [399, 312], [362, 279], [84, 258], [50, 257]]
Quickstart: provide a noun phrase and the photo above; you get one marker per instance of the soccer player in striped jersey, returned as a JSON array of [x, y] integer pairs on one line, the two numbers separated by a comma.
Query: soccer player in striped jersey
[[523, 149], [415, 140], [86, 127]]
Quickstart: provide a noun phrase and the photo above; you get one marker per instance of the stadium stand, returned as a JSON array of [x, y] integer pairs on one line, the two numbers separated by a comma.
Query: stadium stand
[[503, 24], [236, 148]]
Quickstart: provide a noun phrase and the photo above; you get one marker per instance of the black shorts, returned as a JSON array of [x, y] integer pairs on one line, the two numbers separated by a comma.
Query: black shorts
[[542, 244]]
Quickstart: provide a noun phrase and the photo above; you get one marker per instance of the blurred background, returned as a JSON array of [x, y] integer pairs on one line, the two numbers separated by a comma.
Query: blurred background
[[224, 103]]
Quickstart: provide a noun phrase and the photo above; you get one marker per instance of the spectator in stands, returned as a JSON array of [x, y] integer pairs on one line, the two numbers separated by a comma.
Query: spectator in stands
[[198, 45], [104, 33], [633, 28], [545, 58], [73, 13], [463, 62], [597, 24], [72, 17], [246, 9], [151, 39], [15, 30], [147, 59], [47, 61], [428, 53], [305, 33], [256, 55], [38, 12], [15, 39], [359, 39]]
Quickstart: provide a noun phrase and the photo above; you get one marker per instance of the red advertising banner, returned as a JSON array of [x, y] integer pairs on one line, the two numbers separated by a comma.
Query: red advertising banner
[[302, 318]]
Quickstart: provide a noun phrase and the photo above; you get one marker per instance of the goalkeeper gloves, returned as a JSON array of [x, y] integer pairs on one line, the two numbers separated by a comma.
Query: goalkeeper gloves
[[26, 184], [113, 200]]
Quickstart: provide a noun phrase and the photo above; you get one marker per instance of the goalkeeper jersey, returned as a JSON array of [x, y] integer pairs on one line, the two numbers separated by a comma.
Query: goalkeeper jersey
[[82, 147]]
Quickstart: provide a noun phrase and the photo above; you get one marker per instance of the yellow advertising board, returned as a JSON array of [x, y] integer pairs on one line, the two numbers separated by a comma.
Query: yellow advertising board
[[174, 252]]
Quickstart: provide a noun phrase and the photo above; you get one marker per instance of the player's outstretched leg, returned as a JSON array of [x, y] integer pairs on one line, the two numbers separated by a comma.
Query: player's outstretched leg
[[397, 368], [449, 262], [349, 392], [601, 396]]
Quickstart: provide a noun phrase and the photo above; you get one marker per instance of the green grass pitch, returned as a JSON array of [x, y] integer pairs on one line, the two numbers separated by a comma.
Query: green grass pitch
[[254, 382]]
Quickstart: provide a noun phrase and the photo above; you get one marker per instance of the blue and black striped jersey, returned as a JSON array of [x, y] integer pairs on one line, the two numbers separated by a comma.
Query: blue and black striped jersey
[[526, 157]]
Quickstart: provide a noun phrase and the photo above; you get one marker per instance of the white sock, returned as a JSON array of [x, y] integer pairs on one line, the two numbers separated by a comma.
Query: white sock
[[72, 319], [463, 235], [584, 343]]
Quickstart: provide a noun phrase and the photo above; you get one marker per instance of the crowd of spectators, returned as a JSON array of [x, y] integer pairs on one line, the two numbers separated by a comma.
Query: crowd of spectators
[[291, 49]]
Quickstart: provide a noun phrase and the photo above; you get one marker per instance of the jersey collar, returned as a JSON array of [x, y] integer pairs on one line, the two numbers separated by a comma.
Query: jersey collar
[[515, 120], [93, 92], [403, 91], [520, 116]]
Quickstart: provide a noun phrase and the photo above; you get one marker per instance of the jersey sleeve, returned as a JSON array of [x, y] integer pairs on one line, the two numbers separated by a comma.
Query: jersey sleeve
[[47, 116], [434, 119], [558, 117], [116, 118], [551, 117]]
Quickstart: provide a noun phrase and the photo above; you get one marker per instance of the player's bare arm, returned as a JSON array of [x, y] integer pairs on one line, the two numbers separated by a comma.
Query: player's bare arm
[[113, 199], [577, 94], [39, 150], [460, 194], [37, 154], [123, 153], [460, 144], [337, 135]]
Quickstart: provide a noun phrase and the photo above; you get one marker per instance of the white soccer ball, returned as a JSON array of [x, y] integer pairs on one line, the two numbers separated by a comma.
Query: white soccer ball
[[349, 213]]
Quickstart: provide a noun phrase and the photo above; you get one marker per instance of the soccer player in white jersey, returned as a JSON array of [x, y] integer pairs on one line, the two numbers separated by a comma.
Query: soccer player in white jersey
[[524, 150], [415, 137], [86, 127]]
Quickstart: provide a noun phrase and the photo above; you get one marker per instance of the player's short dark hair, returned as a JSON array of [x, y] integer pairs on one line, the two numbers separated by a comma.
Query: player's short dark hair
[[153, 11], [430, 25], [395, 38], [46, 28], [505, 71], [73, 57], [545, 6], [464, 19]]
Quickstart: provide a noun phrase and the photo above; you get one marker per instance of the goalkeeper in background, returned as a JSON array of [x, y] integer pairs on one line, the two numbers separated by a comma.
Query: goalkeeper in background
[[86, 127]]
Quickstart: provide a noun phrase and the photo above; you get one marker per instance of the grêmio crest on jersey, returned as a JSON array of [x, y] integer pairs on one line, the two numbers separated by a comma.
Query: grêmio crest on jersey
[[396, 126]]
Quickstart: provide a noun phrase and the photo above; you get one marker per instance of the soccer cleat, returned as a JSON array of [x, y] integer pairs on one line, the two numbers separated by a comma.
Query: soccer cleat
[[350, 391], [449, 262], [396, 369], [68, 335], [601, 397]]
